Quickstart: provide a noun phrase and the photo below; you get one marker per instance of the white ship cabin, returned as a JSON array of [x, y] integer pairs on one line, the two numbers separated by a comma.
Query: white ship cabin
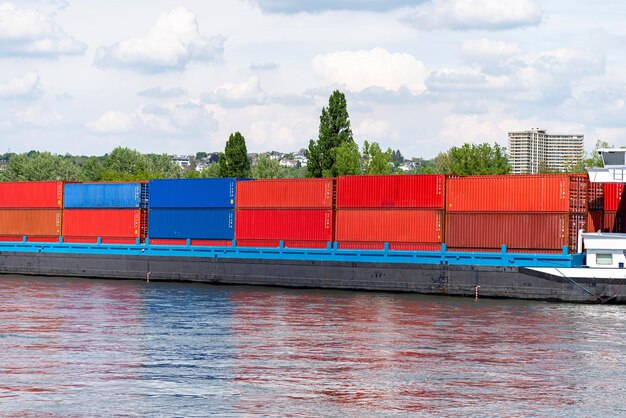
[[607, 250]]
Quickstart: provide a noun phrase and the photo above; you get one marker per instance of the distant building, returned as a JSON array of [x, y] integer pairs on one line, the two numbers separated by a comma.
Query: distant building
[[183, 161], [534, 151]]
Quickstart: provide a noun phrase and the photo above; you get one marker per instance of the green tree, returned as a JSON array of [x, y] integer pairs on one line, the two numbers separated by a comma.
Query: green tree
[[41, 166], [375, 161], [334, 131], [348, 160], [161, 166], [211, 171], [473, 159], [267, 168], [235, 162], [200, 155], [124, 164]]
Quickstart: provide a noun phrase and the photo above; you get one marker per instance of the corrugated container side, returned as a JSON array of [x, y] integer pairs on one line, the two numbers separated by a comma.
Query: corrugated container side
[[397, 246], [284, 224], [118, 223], [104, 240], [285, 193], [102, 195], [164, 241], [510, 250], [577, 222], [394, 191], [516, 230], [615, 221], [579, 194], [286, 244], [595, 221], [613, 197], [511, 193], [193, 223], [40, 194], [192, 193], [596, 196], [35, 222], [389, 225]]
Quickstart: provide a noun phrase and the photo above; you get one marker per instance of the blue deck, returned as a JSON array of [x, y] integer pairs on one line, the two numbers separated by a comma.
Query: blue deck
[[331, 253]]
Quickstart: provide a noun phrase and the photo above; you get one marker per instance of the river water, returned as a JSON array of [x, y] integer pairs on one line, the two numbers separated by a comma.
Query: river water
[[71, 347]]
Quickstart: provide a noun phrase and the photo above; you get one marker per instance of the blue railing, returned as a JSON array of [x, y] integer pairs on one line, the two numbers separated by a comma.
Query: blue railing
[[330, 253]]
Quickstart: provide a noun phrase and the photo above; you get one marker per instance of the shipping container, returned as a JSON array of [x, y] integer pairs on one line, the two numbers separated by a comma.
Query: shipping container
[[389, 225], [192, 223], [517, 193], [515, 230], [394, 191], [614, 221], [103, 240], [396, 246], [285, 193], [35, 222], [596, 196], [110, 223], [193, 242], [192, 193], [613, 197], [595, 221], [105, 195], [269, 243], [23, 195], [284, 224]]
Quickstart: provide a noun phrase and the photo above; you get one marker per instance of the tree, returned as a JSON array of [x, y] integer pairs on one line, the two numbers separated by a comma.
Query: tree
[[92, 168], [375, 161], [235, 162], [211, 171], [161, 166], [334, 131], [348, 160], [200, 155], [267, 168], [41, 166], [473, 159], [124, 164]]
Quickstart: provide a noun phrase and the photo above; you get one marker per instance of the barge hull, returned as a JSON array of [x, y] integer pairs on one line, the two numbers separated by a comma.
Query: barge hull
[[442, 279]]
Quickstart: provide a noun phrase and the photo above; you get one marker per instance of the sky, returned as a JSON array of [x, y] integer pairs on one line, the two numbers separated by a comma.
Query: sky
[[177, 77]]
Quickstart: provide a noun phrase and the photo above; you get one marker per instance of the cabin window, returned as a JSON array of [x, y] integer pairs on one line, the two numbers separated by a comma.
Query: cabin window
[[604, 259]]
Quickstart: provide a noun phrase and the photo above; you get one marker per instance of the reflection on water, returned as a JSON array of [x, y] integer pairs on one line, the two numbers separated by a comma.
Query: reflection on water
[[78, 347]]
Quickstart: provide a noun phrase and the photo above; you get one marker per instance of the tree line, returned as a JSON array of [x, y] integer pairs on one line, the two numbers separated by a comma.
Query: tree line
[[333, 153]]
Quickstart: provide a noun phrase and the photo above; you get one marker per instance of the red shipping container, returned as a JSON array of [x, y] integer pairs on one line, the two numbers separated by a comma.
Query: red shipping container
[[394, 191], [30, 222], [613, 197], [596, 196], [118, 223], [398, 246], [517, 193], [595, 221], [545, 231], [285, 193], [286, 244], [39, 194], [389, 225], [614, 221], [284, 224]]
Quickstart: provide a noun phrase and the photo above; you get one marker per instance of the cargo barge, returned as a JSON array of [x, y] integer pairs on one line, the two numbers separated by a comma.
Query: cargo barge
[[423, 234]]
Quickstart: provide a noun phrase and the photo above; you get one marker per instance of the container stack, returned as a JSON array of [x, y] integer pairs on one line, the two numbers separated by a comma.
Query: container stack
[[198, 210], [407, 212], [614, 219], [527, 213], [298, 212], [595, 217], [115, 213], [32, 210]]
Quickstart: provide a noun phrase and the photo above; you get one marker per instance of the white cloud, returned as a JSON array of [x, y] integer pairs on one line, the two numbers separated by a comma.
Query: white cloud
[[171, 44], [112, 122], [182, 119], [264, 66], [29, 33], [318, 6], [475, 14], [39, 116], [372, 130], [485, 50], [26, 86], [359, 70], [162, 93], [247, 93]]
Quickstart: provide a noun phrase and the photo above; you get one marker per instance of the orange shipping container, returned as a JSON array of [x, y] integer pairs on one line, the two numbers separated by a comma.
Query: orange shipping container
[[549, 231], [285, 193], [517, 193], [389, 225], [39, 222]]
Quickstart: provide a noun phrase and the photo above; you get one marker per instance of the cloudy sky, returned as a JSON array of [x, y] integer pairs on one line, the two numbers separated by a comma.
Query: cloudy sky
[[83, 77]]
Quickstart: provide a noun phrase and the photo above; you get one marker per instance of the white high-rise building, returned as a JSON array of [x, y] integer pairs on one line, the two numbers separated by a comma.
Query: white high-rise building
[[534, 151]]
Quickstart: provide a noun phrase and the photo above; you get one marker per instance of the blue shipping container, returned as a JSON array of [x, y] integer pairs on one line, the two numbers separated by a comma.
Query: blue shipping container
[[192, 193], [196, 223], [103, 195]]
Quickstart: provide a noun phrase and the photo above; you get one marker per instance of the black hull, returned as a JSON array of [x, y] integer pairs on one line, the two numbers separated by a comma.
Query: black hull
[[494, 282]]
